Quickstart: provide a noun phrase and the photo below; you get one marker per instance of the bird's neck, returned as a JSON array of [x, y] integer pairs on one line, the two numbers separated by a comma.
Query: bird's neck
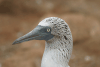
[[57, 52]]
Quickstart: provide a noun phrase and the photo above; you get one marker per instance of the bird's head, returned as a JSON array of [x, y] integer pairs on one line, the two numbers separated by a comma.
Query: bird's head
[[46, 30]]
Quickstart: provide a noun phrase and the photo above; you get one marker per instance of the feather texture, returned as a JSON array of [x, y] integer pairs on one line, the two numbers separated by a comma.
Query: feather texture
[[58, 50]]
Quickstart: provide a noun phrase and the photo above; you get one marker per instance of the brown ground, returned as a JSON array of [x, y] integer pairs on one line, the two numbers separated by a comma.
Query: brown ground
[[18, 17]]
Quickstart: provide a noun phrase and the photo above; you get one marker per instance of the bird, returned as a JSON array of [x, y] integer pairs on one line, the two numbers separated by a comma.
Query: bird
[[58, 41]]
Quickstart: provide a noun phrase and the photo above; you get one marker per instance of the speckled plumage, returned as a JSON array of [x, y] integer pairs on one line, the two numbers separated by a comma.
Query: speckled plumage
[[59, 42], [58, 49]]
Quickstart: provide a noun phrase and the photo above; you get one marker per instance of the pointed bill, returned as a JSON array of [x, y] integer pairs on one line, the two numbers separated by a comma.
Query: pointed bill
[[39, 33]]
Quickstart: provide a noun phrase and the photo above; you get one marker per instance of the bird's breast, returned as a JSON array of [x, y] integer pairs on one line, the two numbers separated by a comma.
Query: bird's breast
[[53, 58]]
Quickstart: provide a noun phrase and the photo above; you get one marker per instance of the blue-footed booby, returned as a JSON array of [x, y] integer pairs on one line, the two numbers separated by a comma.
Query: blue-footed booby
[[59, 42]]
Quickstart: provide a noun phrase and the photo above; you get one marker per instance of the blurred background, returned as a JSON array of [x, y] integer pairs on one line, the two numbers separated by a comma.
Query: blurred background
[[18, 17]]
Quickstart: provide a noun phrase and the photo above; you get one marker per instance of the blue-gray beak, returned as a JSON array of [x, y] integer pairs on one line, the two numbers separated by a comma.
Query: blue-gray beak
[[39, 33]]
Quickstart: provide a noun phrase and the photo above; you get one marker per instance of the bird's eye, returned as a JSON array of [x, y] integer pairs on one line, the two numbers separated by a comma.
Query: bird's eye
[[48, 30]]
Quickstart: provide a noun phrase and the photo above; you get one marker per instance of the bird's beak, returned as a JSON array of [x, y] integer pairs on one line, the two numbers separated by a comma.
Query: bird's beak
[[36, 34]]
